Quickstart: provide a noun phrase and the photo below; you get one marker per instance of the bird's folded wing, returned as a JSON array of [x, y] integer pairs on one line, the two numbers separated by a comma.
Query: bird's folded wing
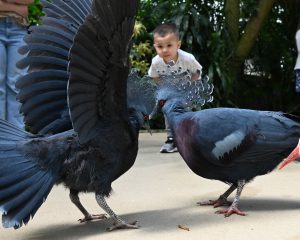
[[99, 67], [251, 149], [43, 90], [268, 138]]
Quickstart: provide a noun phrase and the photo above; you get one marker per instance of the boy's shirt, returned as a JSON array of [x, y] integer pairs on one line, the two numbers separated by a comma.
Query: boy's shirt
[[297, 37], [185, 65]]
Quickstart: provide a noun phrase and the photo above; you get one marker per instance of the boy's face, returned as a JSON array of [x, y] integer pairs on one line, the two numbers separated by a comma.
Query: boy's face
[[166, 47]]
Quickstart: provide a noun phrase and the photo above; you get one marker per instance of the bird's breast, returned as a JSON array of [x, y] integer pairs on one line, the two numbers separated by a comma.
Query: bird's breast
[[184, 136]]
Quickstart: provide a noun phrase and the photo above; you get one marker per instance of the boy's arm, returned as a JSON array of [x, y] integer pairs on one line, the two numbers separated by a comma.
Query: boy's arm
[[7, 6], [22, 2], [156, 80], [21, 9], [152, 73], [197, 69]]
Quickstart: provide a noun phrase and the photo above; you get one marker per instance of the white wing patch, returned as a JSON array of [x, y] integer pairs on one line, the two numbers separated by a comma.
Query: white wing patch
[[228, 143]]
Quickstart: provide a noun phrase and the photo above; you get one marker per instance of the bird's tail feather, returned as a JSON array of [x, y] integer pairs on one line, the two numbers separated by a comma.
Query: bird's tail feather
[[24, 185], [9, 132]]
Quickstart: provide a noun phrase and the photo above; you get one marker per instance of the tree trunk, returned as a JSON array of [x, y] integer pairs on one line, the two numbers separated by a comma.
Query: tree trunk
[[253, 27], [243, 40], [232, 13]]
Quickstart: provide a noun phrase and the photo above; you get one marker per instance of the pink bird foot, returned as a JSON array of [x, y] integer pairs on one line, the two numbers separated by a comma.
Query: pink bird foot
[[123, 225], [215, 203], [229, 211]]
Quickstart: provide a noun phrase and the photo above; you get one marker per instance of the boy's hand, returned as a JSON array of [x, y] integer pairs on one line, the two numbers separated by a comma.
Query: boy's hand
[[18, 6], [195, 76], [22, 2], [21, 10], [156, 80]]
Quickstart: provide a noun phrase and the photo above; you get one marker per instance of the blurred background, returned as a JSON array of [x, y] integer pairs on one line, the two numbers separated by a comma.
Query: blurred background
[[247, 48]]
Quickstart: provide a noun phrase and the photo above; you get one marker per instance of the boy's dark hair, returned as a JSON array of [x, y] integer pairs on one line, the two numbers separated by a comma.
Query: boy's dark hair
[[165, 29]]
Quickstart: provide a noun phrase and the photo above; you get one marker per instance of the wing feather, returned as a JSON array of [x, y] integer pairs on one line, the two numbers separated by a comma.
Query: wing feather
[[43, 47], [62, 10], [43, 91], [41, 100], [59, 30], [41, 87], [47, 39], [105, 38], [39, 76]]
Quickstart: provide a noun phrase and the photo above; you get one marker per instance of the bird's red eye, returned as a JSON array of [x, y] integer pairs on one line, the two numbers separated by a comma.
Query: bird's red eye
[[146, 118], [161, 102]]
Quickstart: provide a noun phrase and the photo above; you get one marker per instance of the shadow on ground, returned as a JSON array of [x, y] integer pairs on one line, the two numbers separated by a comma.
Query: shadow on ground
[[165, 220]]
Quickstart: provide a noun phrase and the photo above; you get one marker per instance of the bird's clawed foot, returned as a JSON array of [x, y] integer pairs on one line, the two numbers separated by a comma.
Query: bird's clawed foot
[[123, 225], [229, 211], [92, 217], [216, 203]]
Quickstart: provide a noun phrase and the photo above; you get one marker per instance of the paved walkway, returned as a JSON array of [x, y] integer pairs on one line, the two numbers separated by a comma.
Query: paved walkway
[[161, 193]]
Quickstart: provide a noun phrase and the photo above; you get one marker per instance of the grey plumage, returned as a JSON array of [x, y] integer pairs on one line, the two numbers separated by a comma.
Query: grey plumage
[[85, 89]]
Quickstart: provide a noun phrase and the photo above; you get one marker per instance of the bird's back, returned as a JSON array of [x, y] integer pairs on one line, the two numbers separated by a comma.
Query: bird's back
[[230, 144]]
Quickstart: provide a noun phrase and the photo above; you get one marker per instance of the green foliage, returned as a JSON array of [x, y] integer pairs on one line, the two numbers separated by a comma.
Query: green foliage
[[269, 81], [273, 58], [142, 51], [35, 12], [200, 25], [138, 55]]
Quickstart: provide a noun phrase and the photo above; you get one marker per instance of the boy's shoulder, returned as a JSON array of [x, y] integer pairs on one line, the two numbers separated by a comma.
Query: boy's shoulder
[[185, 54], [298, 34]]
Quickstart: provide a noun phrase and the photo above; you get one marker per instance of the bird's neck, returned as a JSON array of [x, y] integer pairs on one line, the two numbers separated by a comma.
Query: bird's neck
[[175, 107], [175, 110]]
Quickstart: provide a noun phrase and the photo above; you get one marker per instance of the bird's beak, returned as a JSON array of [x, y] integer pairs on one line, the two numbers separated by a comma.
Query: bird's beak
[[155, 110]]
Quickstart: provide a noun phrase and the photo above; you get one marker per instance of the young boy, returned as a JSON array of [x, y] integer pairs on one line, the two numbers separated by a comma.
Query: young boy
[[171, 61]]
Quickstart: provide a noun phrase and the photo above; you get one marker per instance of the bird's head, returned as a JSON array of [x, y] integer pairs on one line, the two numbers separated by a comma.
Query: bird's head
[[139, 119], [182, 94], [166, 98], [140, 98]]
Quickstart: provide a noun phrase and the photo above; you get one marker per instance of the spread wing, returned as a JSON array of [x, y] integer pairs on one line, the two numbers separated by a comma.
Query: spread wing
[[99, 67], [43, 91]]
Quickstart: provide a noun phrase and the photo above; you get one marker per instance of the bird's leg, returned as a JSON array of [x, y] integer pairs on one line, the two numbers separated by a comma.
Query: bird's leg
[[222, 200], [119, 223], [87, 216], [233, 209]]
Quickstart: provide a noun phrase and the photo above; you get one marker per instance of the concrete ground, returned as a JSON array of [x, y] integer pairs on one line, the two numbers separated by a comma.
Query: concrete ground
[[161, 193]]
